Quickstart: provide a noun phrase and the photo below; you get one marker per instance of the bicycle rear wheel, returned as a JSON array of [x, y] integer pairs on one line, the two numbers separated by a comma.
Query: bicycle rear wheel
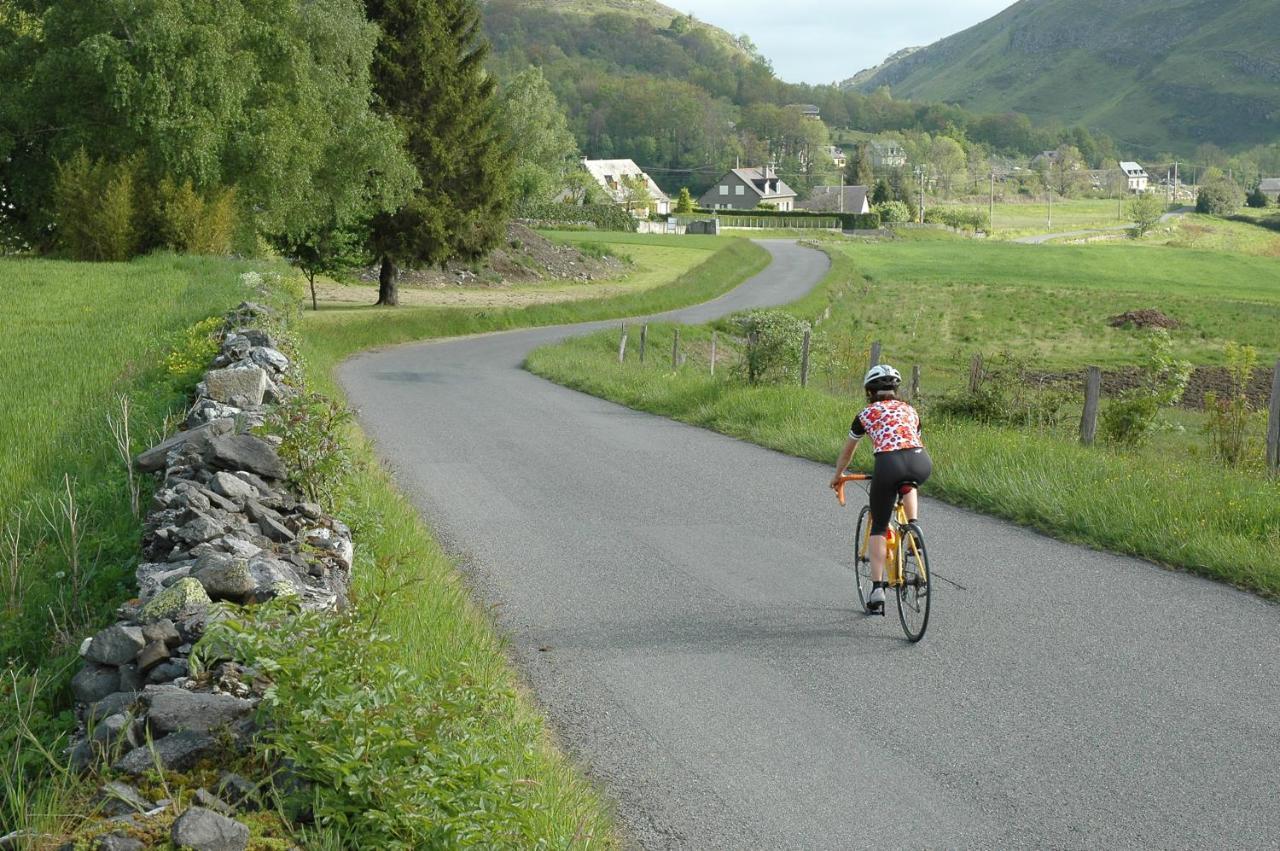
[[914, 594], [862, 556]]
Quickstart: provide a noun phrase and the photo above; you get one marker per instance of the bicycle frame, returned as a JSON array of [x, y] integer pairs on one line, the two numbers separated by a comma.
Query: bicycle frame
[[893, 542]]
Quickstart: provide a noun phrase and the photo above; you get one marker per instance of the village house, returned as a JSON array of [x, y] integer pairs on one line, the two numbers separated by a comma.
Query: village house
[[837, 199], [887, 154], [808, 110], [837, 155], [626, 184], [1136, 176], [1270, 187], [747, 189]]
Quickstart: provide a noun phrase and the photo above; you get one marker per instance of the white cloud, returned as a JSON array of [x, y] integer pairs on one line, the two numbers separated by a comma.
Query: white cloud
[[817, 42]]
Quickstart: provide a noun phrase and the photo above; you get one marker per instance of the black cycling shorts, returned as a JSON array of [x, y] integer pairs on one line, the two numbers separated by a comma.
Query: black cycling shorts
[[891, 470]]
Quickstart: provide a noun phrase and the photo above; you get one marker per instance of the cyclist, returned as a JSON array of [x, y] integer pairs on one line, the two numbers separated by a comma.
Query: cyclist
[[900, 456]]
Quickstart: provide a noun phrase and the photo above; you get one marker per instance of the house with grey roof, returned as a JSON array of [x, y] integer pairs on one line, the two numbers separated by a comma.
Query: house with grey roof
[[887, 154], [1270, 187], [808, 110], [837, 199], [1136, 176], [627, 184], [747, 189]]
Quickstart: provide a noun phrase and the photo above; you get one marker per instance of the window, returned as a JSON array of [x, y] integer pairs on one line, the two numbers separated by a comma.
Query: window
[[724, 190], [739, 189]]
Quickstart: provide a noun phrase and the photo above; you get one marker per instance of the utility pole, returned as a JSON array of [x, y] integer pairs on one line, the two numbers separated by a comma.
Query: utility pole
[[991, 210], [920, 172], [1177, 182], [842, 192], [1050, 208]]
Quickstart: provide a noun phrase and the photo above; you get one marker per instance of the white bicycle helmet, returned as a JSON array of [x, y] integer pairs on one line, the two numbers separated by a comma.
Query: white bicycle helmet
[[881, 377]]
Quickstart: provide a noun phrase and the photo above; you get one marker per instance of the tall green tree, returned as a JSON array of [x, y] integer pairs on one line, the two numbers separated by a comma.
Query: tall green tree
[[858, 170], [429, 75], [538, 137], [271, 97]]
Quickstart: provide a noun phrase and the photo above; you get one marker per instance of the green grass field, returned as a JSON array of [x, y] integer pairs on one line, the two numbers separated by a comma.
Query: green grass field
[[935, 301], [77, 337]]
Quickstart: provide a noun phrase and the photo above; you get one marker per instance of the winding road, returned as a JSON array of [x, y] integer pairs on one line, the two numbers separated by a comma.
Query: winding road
[[681, 606]]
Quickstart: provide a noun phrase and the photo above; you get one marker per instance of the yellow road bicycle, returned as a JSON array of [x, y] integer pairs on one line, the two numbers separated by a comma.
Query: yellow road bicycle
[[906, 562]]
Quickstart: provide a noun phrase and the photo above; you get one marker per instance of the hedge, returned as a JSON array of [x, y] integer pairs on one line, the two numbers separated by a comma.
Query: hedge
[[602, 216], [848, 221]]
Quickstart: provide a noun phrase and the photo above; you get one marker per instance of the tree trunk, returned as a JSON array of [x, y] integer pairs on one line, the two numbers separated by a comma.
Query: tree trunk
[[311, 277], [388, 280]]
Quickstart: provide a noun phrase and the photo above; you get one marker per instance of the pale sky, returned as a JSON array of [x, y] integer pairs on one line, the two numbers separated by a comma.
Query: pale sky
[[823, 41]]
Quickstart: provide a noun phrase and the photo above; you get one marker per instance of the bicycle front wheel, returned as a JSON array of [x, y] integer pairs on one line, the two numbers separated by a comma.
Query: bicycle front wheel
[[914, 594], [862, 556]]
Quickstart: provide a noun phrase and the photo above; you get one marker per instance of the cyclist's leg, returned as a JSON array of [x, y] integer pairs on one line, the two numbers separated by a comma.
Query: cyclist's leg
[[884, 494], [917, 467]]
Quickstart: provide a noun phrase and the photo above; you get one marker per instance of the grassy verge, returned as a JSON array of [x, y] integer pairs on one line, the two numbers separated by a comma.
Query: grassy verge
[[78, 338], [1177, 509]]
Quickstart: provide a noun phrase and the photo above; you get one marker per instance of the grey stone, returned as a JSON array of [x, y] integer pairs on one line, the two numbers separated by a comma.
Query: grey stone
[[239, 792], [113, 730], [208, 800], [311, 510], [199, 829], [177, 709], [168, 671], [249, 478], [116, 645], [185, 595], [239, 547], [120, 799], [155, 458], [217, 500], [94, 682], [240, 388], [154, 577], [271, 523], [202, 527], [162, 630], [225, 578], [245, 452], [153, 654], [117, 842], [207, 410], [130, 677], [268, 358], [231, 487], [175, 752], [112, 704], [254, 336]]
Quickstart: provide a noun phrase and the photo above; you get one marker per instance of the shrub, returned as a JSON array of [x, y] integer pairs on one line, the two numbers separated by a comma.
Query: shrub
[[397, 760], [960, 219], [774, 341], [892, 212], [1145, 210], [1129, 419], [1008, 393], [602, 216], [94, 208], [190, 356], [684, 203], [1219, 197], [1228, 418], [1258, 199], [312, 430], [191, 224]]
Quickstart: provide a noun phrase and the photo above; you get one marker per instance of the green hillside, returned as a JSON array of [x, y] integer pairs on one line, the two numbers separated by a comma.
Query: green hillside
[[1155, 74]]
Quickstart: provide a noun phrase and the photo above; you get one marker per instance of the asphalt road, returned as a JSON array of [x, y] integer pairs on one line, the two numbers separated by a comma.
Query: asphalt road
[[681, 605]]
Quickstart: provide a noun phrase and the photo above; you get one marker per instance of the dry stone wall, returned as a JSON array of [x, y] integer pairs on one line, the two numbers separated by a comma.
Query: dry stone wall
[[224, 526]]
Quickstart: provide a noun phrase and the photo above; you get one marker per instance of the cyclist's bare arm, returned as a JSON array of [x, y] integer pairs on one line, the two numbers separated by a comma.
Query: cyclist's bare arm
[[846, 455]]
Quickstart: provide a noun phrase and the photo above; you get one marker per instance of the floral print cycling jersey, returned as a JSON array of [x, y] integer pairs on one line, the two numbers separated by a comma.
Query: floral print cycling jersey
[[892, 424]]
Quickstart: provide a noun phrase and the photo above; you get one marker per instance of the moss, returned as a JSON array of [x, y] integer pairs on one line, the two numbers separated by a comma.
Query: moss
[[184, 595]]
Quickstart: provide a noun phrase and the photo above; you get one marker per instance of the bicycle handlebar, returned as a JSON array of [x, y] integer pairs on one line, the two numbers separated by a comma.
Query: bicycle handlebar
[[844, 480]]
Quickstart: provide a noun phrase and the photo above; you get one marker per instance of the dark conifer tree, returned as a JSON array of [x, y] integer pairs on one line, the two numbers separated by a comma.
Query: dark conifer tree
[[429, 77]]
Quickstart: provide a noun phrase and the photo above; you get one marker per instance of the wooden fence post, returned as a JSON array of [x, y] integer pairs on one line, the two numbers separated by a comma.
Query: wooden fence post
[[875, 354], [644, 338], [1273, 423], [622, 344], [713, 353], [1092, 393], [975, 373], [915, 383], [675, 350], [804, 359]]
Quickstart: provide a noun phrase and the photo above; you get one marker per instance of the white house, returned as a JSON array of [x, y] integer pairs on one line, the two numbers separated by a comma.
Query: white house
[[747, 188], [1136, 176], [887, 154], [623, 180]]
